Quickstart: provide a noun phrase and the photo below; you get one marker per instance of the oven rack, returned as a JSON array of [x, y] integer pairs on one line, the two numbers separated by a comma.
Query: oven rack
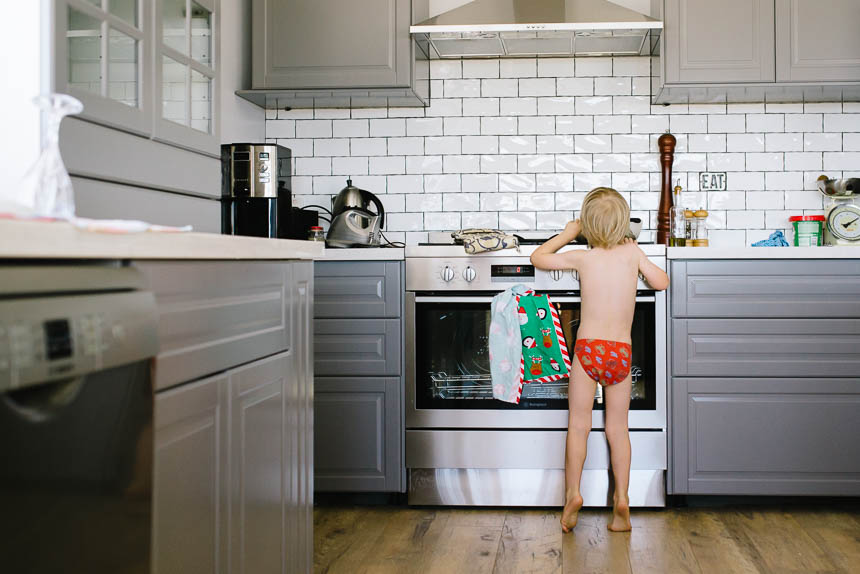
[[480, 387]]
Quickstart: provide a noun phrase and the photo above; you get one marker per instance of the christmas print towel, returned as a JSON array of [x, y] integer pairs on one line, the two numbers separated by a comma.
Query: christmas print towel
[[545, 356]]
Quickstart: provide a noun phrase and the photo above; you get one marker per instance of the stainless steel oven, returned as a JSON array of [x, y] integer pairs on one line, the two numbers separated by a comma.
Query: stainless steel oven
[[463, 446]]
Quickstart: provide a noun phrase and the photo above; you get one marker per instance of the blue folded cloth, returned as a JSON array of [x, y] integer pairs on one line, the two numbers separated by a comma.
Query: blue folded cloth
[[776, 239]]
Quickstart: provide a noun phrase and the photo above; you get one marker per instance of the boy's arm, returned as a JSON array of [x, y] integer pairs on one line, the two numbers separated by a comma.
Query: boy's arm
[[654, 276], [545, 256]]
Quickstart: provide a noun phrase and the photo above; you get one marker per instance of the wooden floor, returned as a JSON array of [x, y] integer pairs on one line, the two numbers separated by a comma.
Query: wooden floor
[[724, 540]]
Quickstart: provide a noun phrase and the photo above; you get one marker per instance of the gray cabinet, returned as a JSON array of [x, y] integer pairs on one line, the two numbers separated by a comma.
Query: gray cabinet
[[358, 440], [331, 43], [189, 500], [234, 453], [764, 386], [713, 42], [358, 364], [783, 436], [817, 41]]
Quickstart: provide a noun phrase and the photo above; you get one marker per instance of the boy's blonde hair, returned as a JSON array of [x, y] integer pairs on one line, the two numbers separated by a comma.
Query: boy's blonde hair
[[605, 217]]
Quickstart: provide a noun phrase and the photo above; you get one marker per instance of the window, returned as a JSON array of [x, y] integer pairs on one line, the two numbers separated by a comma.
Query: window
[[187, 74], [142, 66], [102, 59]]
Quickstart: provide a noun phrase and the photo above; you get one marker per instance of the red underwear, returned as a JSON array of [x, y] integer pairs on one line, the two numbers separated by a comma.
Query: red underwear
[[607, 362]]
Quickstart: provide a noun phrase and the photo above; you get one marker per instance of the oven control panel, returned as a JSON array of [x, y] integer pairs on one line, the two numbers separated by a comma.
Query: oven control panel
[[490, 274]]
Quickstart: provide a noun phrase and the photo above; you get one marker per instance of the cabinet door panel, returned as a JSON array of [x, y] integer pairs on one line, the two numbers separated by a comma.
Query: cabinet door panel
[[260, 450], [357, 434], [817, 41], [766, 436], [357, 347], [357, 289], [768, 289], [714, 42], [331, 43], [766, 348], [189, 479]]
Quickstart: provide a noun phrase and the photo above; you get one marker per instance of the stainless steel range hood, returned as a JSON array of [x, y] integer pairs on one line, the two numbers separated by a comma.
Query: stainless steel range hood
[[492, 28]]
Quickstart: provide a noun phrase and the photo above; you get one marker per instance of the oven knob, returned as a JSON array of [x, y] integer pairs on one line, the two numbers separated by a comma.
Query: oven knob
[[447, 274], [469, 274], [556, 274]]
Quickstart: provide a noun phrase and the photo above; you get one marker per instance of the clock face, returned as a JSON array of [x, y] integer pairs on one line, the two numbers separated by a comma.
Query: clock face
[[844, 222]]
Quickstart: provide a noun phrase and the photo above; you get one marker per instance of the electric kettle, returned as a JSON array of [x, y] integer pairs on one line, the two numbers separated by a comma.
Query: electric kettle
[[353, 224]]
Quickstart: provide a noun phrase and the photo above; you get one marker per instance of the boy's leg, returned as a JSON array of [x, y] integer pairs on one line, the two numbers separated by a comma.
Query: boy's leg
[[617, 399], [580, 400]]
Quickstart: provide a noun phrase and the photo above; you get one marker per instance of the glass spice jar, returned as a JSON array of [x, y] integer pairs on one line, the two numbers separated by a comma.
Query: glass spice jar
[[701, 239], [316, 233]]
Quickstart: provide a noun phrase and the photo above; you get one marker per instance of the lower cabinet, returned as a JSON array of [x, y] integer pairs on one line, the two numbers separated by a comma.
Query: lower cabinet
[[765, 436], [357, 434]]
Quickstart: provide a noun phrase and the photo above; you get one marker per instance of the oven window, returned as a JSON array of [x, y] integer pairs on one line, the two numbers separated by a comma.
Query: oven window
[[453, 367]]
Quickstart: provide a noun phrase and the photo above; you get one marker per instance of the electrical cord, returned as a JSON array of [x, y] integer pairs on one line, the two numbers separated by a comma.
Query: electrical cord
[[319, 207], [389, 243]]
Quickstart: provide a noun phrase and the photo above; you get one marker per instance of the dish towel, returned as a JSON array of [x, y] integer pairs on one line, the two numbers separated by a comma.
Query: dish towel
[[525, 332], [776, 239]]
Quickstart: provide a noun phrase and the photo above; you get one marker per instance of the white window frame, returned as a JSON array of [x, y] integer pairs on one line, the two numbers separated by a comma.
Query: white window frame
[[101, 108], [172, 132]]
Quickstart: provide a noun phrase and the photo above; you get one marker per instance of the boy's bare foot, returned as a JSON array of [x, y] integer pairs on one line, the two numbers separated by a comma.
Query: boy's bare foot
[[620, 516], [570, 513]]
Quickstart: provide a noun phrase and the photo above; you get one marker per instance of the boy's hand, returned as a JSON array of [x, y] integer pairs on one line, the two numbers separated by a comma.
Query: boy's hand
[[572, 229]]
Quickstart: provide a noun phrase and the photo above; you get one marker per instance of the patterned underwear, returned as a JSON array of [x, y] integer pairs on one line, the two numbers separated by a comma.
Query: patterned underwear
[[607, 362]]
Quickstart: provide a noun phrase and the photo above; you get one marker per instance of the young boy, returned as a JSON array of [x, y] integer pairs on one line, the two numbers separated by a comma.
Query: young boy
[[608, 273]]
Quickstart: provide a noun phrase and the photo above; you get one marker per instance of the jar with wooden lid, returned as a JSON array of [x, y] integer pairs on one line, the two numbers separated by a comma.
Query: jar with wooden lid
[[701, 226]]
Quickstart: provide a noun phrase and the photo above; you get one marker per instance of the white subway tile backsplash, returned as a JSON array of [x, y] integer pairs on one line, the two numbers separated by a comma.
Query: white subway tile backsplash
[[555, 67], [462, 126], [612, 124], [388, 127], [555, 144], [517, 143], [534, 164], [498, 126], [424, 164], [518, 68], [554, 182], [516, 182], [612, 86], [480, 144], [517, 106], [406, 146], [479, 69], [405, 184], [593, 67], [574, 124], [501, 88], [481, 106], [461, 163], [575, 86], [537, 87], [536, 125]]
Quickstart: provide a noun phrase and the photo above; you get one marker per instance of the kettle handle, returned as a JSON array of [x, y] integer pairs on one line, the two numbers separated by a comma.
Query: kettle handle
[[367, 196]]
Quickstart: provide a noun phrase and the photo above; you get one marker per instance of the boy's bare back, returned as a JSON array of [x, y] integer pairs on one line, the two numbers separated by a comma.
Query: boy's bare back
[[607, 279]]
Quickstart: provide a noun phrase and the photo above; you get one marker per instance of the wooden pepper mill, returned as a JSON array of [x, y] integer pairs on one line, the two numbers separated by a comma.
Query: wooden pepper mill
[[666, 145]]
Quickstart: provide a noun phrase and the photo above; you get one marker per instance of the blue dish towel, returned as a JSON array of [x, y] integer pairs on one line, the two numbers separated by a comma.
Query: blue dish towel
[[776, 239]]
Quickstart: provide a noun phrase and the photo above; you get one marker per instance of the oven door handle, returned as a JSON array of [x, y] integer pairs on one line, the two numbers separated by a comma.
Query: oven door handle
[[555, 299]]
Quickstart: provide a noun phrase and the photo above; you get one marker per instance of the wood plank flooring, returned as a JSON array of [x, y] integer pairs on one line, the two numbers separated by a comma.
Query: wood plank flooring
[[714, 540]]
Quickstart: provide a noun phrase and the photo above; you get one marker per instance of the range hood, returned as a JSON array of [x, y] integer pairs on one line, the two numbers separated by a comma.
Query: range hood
[[493, 28]]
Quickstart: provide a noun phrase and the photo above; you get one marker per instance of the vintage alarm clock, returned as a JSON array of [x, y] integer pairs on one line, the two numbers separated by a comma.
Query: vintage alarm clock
[[842, 224]]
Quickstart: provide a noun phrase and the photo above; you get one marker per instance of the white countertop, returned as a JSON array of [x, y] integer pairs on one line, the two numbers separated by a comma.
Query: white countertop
[[444, 251], [824, 252], [364, 254], [61, 240]]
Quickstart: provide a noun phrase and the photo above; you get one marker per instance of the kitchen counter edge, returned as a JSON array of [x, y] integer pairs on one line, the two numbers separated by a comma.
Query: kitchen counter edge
[[364, 254], [824, 252], [61, 240]]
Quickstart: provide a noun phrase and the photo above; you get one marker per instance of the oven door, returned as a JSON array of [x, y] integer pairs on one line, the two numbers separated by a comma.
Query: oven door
[[448, 370]]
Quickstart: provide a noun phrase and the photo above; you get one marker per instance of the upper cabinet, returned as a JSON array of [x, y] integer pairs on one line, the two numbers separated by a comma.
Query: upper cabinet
[[143, 67], [726, 41], [758, 50], [817, 41], [337, 52]]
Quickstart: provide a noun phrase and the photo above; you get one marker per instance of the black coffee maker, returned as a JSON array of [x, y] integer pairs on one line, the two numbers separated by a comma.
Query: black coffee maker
[[256, 196]]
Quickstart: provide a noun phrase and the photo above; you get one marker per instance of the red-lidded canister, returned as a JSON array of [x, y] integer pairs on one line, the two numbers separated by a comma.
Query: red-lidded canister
[[807, 229]]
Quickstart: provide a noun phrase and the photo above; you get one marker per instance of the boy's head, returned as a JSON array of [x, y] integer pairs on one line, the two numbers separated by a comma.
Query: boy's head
[[605, 217]]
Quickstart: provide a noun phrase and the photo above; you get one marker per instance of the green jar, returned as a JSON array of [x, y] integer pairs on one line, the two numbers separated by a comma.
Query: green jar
[[807, 230]]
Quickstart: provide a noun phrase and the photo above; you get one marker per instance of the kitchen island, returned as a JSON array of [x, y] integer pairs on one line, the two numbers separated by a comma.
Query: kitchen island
[[764, 356]]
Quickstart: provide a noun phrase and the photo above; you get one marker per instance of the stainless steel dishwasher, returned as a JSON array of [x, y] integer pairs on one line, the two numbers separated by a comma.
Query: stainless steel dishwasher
[[76, 402]]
